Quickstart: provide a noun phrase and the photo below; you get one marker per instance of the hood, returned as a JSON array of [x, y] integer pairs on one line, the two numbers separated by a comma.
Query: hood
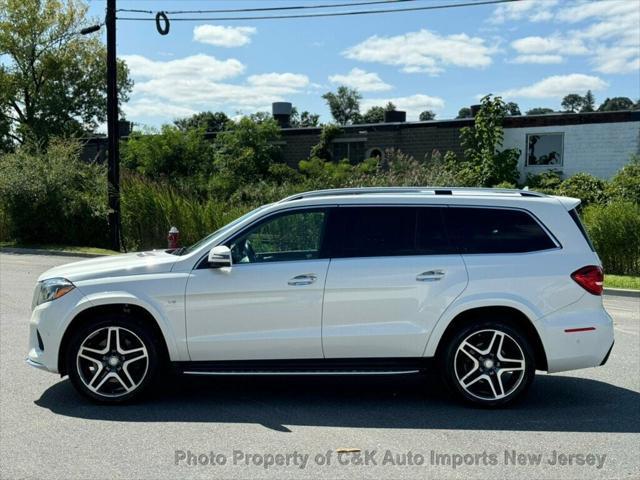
[[155, 261]]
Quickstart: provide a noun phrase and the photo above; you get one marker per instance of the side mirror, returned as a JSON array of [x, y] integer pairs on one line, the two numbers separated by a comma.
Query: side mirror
[[220, 256]]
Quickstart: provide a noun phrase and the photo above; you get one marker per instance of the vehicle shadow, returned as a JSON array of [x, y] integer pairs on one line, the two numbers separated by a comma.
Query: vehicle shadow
[[554, 403]]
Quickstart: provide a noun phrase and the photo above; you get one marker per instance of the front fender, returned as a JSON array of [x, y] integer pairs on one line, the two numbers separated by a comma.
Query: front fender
[[170, 330]]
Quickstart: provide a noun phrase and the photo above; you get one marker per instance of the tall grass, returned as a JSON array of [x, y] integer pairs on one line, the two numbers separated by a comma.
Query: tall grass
[[615, 231], [150, 209]]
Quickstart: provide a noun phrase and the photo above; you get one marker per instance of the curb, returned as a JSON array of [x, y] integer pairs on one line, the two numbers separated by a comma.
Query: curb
[[38, 251], [622, 292]]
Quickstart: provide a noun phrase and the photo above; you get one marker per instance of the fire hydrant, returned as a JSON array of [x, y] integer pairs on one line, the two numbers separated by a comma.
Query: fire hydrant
[[173, 239]]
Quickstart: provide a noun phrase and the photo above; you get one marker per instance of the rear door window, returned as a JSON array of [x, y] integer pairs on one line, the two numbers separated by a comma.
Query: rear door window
[[495, 230], [373, 231]]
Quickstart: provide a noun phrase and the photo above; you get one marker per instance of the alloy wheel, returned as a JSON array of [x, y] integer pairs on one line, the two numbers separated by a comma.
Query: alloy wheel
[[112, 361], [489, 364]]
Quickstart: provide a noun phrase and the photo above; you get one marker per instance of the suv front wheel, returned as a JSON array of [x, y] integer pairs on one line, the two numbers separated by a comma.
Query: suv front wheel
[[488, 363], [112, 359]]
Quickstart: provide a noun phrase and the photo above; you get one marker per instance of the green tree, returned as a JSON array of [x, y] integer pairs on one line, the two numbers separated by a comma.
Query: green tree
[[616, 103], [244, 153], [512, 109], [206, 121], [589, 102], [464, 112], [344, 105], [376, 114], [539, 111], [52, 80], [427, 115], [572, 103], [304, 119], [172, 153], [486, 163]]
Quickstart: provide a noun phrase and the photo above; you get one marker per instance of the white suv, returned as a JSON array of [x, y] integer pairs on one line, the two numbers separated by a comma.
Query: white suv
[[486, 285]]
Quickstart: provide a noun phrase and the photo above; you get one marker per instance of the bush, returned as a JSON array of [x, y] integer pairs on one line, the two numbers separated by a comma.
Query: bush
[[586, 187], [614, 230], [53, 197], [625, 185], [170, 153], [243, 154], [545, 182]]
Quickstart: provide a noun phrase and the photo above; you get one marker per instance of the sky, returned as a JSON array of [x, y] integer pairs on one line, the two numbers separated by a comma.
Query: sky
[[532, 52]]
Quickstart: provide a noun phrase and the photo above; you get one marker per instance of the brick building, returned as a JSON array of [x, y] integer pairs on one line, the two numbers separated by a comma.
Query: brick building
[[599, 143]]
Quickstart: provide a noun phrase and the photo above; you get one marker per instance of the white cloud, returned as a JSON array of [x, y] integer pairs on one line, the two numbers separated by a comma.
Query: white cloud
[[553, 44], [532, 10], [584, 10], [183, 86], [205, 65], [362, 80], [610, 40], [413, 104], [290, 81], [539, 59], [223, 36], [424, 51], [146, 107], [557, 86]]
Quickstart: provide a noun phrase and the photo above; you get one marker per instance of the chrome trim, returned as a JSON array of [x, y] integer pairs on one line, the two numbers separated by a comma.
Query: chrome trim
[[35, 364], [389, 372], [409, 190]]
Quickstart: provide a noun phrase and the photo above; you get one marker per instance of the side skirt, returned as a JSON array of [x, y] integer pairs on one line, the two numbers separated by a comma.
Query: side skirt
[[321, 366]]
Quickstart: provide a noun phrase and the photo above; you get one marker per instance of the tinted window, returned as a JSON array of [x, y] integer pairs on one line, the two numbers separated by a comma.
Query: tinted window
[[388, 231], [491, 230], [431, 236], [576, 219], [290, 236]]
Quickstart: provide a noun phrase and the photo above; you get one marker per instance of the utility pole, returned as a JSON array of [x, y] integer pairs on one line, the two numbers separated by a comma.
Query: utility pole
[[113, 162]]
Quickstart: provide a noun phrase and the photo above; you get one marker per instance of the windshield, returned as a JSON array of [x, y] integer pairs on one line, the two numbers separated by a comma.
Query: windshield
[[203, 241]]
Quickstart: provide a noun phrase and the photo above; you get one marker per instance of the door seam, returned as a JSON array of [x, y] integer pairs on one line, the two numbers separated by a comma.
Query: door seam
[[324, 289]]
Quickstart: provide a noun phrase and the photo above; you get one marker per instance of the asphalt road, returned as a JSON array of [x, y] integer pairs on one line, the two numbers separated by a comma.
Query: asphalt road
[[47, 431]]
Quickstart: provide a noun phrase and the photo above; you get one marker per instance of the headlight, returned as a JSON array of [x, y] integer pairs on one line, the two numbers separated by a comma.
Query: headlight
[[51, 289]]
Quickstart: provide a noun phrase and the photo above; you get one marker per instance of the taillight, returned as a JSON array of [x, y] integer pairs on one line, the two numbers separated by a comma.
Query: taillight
[[591, 278]]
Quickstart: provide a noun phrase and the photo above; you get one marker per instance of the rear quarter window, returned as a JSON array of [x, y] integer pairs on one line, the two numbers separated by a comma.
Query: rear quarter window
[[495, 230], [576, 218]]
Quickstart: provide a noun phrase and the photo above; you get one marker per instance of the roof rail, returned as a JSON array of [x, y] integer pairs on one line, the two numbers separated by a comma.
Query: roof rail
[[410, 190]]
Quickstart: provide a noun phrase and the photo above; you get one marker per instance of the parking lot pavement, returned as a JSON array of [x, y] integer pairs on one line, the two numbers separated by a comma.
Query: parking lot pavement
[[47, 431]]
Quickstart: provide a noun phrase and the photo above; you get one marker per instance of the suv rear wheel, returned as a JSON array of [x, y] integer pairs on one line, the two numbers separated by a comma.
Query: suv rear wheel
[[488, 363], [112, 359]]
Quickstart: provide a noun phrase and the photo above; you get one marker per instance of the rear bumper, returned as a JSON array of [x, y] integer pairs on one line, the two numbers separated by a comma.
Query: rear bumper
[[577, 338], [606, 357]]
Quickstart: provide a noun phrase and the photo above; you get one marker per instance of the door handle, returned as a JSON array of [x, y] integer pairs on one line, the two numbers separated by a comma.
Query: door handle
[[430, 276], [304, 279]]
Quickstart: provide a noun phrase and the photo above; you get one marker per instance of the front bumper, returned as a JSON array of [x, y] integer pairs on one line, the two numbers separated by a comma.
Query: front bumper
[[49, 320]]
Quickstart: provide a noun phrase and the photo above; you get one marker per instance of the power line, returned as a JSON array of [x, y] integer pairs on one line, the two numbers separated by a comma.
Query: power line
[[328, 14], [271, 9]]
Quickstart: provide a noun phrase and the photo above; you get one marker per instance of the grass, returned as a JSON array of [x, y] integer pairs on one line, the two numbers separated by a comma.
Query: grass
[[60, 248], [622, 281]]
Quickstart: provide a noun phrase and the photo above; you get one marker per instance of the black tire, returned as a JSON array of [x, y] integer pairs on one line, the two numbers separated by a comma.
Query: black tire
[[488, 383], [129, 380]]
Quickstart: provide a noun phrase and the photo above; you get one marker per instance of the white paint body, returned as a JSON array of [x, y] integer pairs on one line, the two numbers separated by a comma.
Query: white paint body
[[355, 307]]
